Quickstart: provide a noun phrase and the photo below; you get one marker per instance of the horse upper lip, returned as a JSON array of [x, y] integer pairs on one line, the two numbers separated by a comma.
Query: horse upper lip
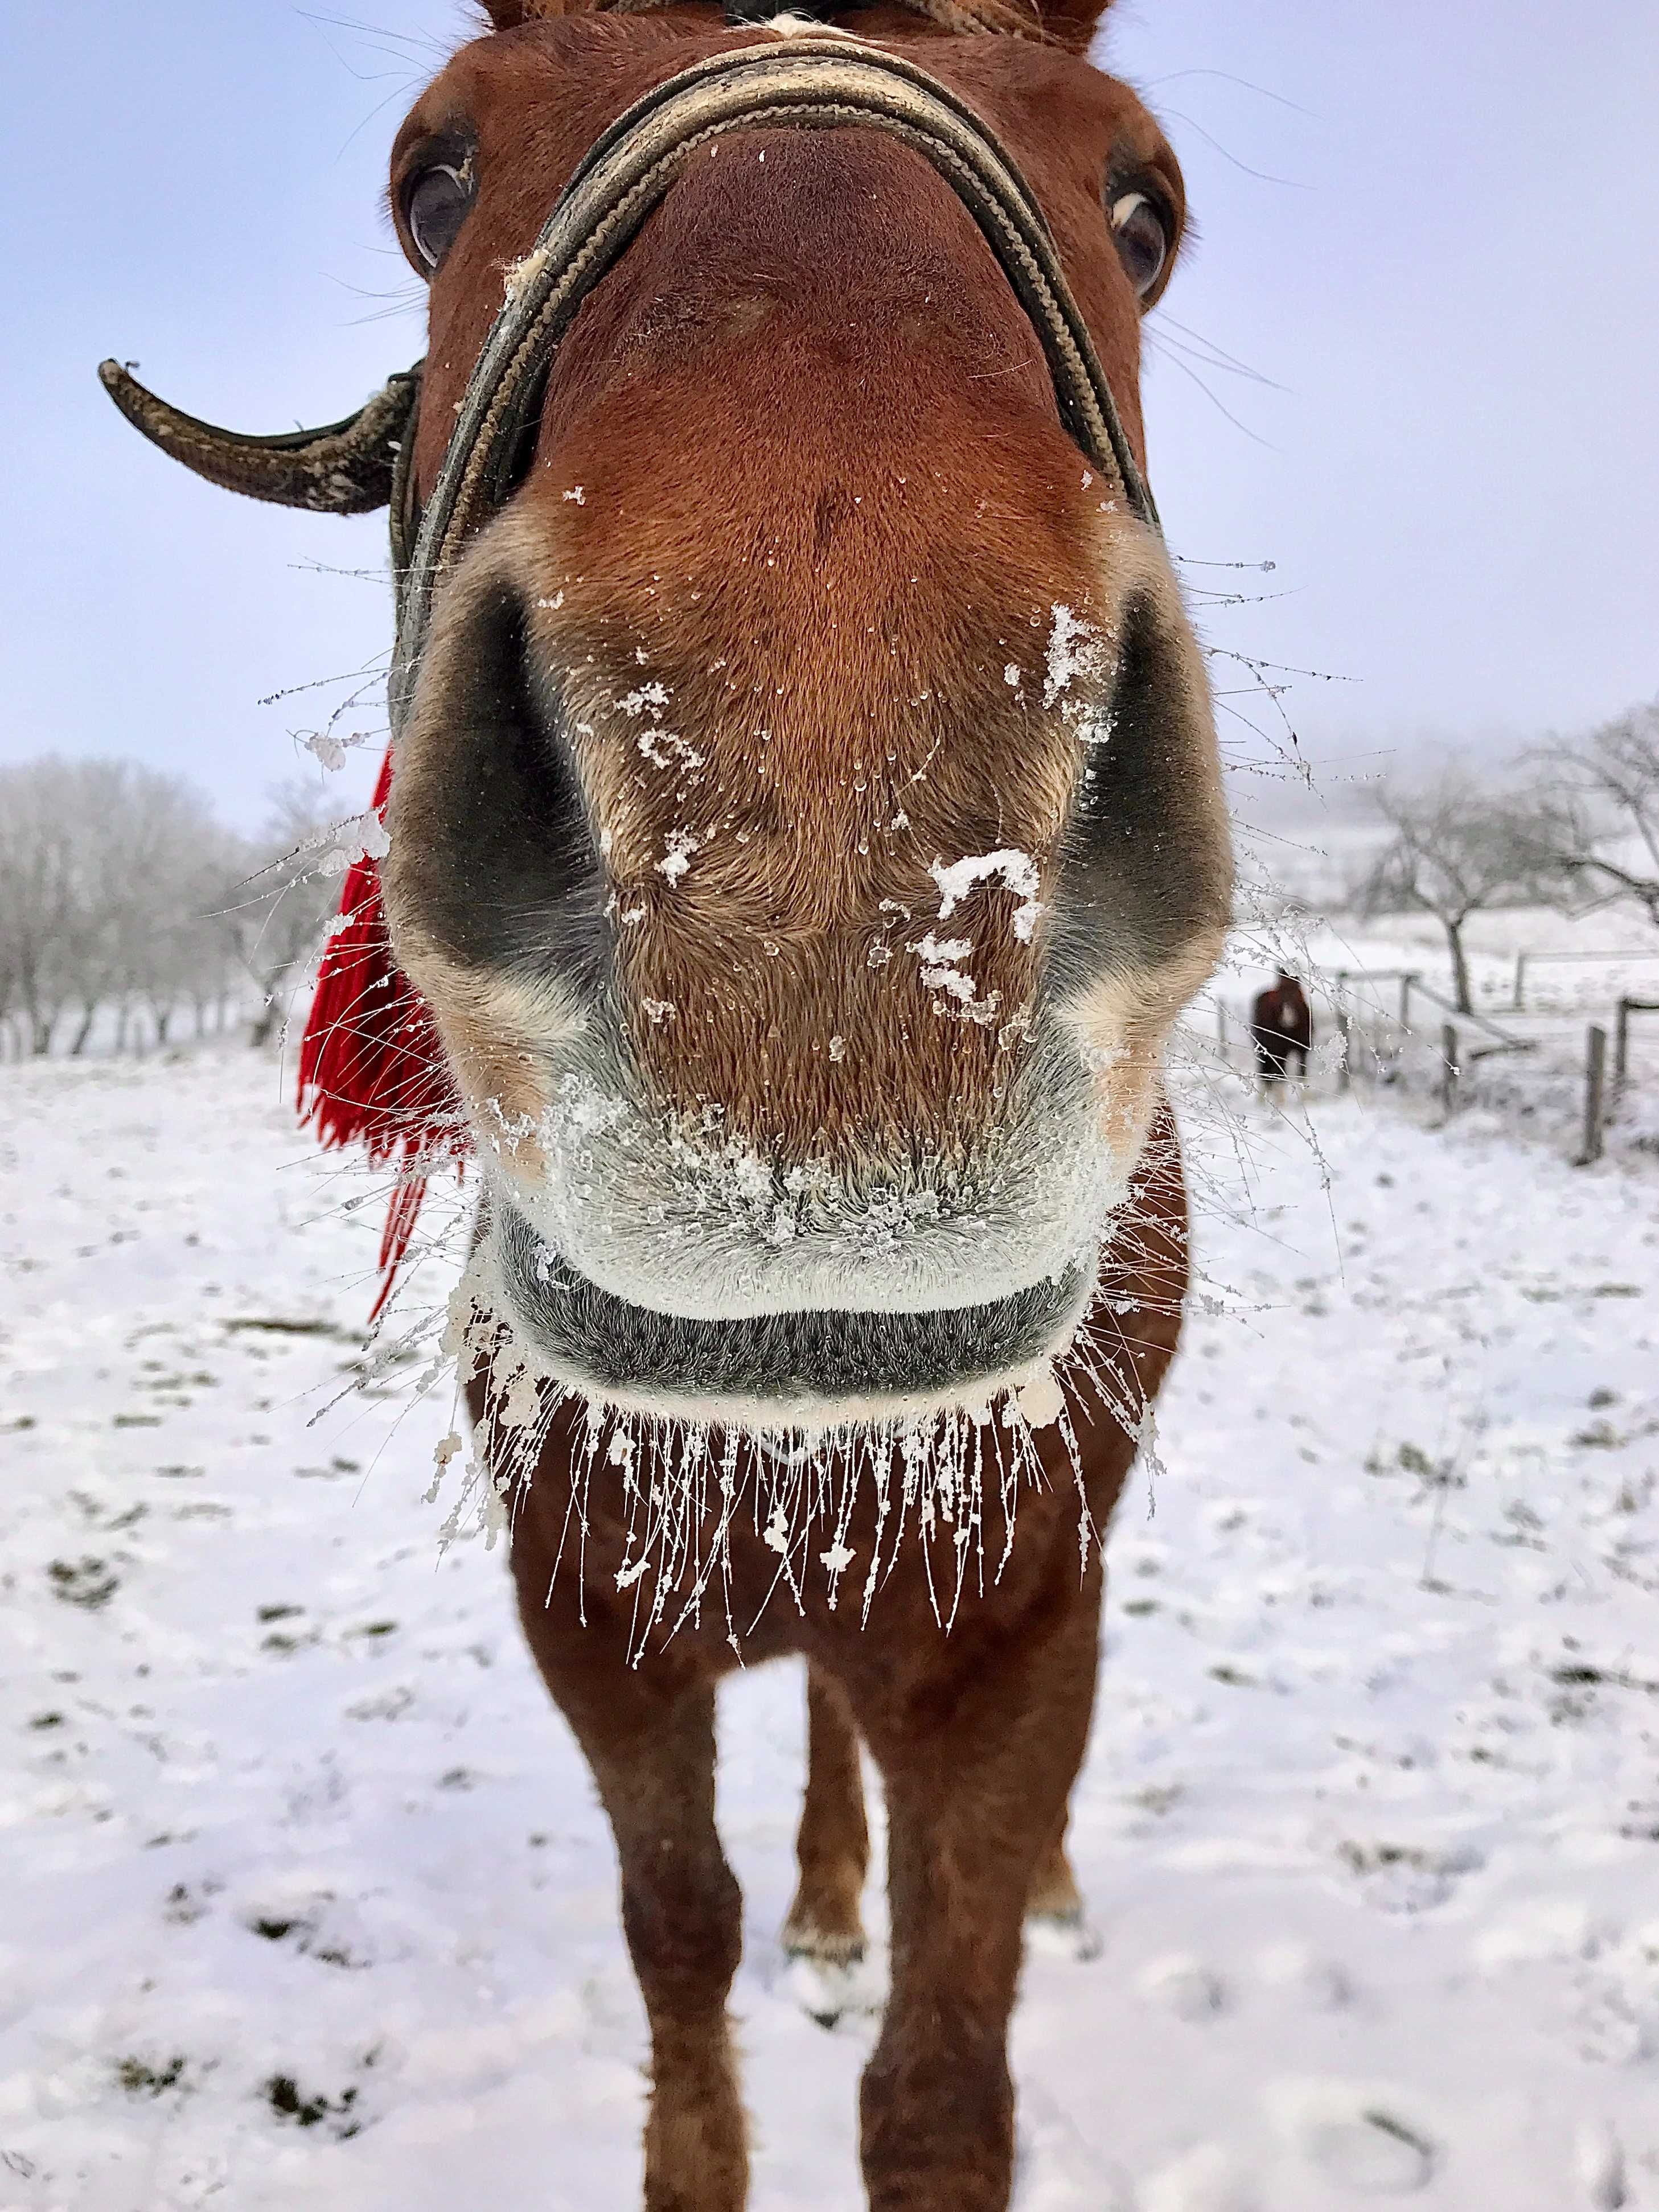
[[705, 1229]]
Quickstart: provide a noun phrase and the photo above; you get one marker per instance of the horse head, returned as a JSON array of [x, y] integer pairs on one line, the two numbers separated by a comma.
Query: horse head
[[806, 820]]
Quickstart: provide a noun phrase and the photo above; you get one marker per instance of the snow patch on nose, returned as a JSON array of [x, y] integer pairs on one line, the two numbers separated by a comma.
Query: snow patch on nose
[[1016, 871]]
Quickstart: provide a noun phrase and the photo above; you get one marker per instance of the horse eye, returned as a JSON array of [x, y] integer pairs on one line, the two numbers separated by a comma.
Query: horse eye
[[434, 208], [1140, 229]]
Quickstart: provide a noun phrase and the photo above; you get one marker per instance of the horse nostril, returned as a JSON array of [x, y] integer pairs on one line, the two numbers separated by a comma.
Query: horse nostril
[[1127, 891], [498, 854]]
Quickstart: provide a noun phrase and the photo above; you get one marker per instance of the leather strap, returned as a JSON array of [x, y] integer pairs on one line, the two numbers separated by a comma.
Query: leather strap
[[806, 83]]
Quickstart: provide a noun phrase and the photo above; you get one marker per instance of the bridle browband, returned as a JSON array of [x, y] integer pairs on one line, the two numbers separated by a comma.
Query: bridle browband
[[804, 83]]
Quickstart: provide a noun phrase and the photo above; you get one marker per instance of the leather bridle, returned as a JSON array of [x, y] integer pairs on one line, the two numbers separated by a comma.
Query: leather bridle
[[811, 83], [371, 1066], [804, 83]]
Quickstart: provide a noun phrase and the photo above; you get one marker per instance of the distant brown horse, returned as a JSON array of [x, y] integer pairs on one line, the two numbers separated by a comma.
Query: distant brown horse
[[806, 826], [1281, 1030]]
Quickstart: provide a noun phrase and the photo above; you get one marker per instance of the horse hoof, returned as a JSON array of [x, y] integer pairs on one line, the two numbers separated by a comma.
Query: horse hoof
[[1070, 1935], [830, 1987]]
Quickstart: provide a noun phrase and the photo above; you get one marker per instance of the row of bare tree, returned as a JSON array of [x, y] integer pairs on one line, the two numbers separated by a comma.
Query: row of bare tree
[[1581, 831], [127, 908]]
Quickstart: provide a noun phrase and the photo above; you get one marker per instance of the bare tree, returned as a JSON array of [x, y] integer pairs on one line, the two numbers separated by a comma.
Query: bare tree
[[1597, 811], [40, 890], [150, 858], [1457, 851], [178, 854], [111, 878]]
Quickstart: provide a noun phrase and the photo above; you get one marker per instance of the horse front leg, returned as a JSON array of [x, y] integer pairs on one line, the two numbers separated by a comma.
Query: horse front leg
[[1056, 1918], [977, 1770], [1056, 1899], [823, 1933], [651, 1745], [832, 1847]]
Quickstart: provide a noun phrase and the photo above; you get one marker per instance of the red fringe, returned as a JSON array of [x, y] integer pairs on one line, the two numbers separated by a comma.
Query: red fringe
[[372, 1070]]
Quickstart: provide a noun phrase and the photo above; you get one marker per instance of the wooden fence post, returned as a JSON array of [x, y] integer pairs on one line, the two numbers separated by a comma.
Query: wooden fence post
[[1595, 1074], [1221, 1025], [1406, 981], [1345, 1031], [1520, 983], [1451, 1071], [1621, 1045]]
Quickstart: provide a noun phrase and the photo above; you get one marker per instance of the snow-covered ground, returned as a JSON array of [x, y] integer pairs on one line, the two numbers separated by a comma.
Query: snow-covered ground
[[306, 1899]]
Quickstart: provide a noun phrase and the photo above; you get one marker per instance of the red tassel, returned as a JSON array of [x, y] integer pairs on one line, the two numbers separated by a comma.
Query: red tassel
[[372, 1070], [400, 1218]]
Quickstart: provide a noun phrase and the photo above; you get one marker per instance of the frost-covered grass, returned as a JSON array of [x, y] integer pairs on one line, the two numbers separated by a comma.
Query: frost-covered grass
[[308, 1901]]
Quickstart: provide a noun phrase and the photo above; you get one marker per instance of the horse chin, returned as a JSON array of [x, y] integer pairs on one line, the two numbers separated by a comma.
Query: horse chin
[[801, 1371]]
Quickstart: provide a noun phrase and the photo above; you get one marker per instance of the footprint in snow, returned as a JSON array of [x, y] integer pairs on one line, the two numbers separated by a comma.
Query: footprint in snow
[[1057, 2167], [1408, 1877], [1361, 2137], [1204, 2179], [1600, 2162], [1184, 1986], [1320, 1984]]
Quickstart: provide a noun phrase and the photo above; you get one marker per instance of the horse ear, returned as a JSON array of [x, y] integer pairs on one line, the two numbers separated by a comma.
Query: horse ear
[[507, 15], [1068, 23], [1072, 23]]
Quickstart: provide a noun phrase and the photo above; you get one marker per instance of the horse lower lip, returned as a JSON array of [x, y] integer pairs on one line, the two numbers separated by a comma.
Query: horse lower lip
[[790, 1361]]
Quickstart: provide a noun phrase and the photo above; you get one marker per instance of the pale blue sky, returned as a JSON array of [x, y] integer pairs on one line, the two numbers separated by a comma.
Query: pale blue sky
[[1432, 227]]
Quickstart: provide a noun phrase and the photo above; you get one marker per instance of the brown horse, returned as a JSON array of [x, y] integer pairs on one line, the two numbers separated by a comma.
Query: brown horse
[[806, 828], [1281, 1030]]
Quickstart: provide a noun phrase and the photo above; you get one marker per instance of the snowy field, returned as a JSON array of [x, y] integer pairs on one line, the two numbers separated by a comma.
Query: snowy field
[[308, 1901]]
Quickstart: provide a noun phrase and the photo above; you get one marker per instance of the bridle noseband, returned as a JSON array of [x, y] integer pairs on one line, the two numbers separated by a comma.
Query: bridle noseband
[[808, 83]]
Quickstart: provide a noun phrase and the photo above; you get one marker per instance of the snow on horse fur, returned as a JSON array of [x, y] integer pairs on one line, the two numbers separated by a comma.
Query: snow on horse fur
[[805, 828]]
